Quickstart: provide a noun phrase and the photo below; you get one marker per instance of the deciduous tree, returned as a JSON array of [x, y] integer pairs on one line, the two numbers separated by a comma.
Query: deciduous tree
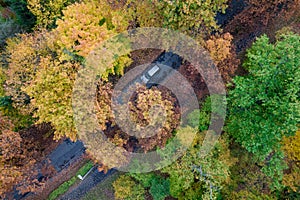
[[222, 52], [22, 56], [127, 189], [192, 16], [16, 161], [264, 106], [206, 173], [51, 93], [41, 67], [291, 146], [84, 25], [153, 108], [144, 13], [47, 12]]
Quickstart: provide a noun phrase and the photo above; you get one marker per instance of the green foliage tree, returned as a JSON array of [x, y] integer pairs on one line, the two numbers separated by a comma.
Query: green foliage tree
[[202, 121], [206, 174], [247, 178], [206, 112], [264, 105], [158, 186]]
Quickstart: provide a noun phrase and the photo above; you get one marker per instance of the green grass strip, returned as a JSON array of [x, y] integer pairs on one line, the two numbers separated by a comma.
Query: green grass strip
[[83, 170], [63, 188]]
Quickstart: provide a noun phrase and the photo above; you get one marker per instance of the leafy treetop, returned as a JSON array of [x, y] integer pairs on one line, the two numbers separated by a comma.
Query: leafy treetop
[[264, 105]]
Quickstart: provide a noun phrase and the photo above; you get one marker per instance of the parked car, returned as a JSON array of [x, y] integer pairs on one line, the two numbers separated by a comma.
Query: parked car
[[160, 69], [150, 73]]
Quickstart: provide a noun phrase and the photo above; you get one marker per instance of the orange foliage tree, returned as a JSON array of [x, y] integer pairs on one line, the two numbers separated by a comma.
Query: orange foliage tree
[[16, 162], [223, 54]]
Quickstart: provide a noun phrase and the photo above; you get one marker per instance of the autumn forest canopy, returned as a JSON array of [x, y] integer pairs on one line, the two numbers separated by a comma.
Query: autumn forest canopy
[[254, 45]]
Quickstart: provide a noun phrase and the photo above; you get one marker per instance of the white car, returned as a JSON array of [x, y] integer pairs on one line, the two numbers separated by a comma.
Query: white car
[[147, 76]]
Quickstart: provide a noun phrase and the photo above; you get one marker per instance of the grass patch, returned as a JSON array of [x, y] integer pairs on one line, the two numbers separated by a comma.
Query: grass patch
[[103, 190], [63, 188], [83, 170]]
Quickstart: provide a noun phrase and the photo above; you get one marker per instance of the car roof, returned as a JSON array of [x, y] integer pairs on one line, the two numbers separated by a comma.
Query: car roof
[[153, 70]]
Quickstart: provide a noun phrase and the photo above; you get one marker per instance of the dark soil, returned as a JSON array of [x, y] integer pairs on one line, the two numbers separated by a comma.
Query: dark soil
[[234, 8], [251, 21], [39, 138]]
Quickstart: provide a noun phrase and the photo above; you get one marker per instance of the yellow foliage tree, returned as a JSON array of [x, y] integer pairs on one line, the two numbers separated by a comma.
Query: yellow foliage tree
[[291, 145], [47, 11], [103, 104], [145, 13], [22, 57], [292, 179], [41, 67], [51, 93], [86, 24], [126, 188], [195, 17]]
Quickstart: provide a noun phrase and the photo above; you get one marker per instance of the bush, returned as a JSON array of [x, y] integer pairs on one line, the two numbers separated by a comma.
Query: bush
[[83, 170], [159, 187]]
